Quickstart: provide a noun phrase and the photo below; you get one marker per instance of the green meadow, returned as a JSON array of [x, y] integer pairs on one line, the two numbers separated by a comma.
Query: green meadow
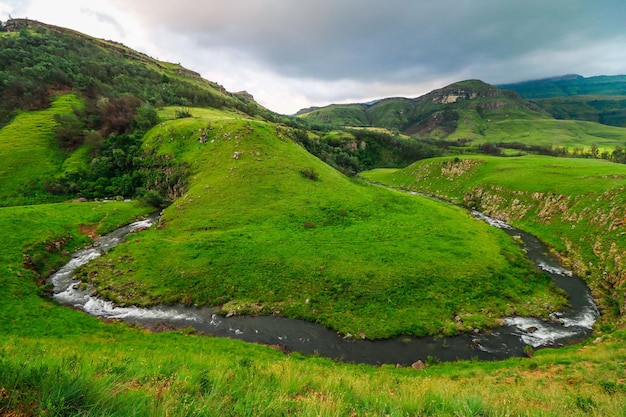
[[266, 228], [510, 126], [58, 361], [29, 153], [575, 205]]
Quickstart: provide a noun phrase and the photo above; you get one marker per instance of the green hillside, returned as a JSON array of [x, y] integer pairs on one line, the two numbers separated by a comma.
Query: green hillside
[[599, 99], [264, 226], [258, 217], [576, 206], [29, 153], [471, 113]]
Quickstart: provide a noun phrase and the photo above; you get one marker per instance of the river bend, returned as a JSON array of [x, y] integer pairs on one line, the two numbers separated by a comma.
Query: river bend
[[566, 327]]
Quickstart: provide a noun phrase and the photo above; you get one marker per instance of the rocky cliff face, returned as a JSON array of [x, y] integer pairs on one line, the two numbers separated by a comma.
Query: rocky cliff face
[[587, 231], [591, 240]]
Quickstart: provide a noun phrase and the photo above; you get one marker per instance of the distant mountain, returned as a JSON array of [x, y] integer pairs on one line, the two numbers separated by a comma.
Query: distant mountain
[[569, 85], [599, 99], [434, 114], [471, 113]]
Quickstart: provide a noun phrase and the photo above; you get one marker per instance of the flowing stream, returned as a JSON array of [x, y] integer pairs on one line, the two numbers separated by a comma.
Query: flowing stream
[[567, 327]]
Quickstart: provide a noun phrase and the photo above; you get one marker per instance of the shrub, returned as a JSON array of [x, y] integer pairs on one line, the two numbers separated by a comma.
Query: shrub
[[310, 173], [183, 113]]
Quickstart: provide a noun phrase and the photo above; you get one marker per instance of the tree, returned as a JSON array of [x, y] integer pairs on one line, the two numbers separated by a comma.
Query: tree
[[146, 117], [116, 114], [595, 151], [618, 155], [69, 131]]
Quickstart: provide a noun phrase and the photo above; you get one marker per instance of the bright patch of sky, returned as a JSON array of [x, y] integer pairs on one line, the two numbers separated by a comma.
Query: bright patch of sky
[[295, 54]]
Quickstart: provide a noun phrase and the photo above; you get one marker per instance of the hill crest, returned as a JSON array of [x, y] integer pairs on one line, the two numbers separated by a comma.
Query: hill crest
[[435, 113]]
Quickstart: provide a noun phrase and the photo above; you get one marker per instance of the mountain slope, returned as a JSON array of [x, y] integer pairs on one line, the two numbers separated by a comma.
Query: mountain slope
[[473, 113], [37, 59], [599, 99], [436, 113]]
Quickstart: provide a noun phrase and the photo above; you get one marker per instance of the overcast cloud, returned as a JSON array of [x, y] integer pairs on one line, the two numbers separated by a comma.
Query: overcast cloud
[[292, 54]]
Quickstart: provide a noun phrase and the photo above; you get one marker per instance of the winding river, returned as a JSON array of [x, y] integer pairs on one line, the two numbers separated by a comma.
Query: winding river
[[566, 327]]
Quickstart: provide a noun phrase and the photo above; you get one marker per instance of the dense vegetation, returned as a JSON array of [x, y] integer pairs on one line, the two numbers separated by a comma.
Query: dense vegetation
[[355, 150], [35, 62]]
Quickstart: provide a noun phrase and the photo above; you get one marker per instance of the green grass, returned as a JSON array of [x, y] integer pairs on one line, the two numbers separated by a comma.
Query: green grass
[[254, 235], [577, 206], [29, 153], [551, 132], [170, 113], [58, 361]]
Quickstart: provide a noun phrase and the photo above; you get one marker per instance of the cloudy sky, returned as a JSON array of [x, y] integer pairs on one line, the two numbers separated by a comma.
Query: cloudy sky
[[292, 54]]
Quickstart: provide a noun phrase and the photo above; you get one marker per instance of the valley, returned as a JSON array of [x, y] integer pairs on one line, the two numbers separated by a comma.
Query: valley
[[275, 217]]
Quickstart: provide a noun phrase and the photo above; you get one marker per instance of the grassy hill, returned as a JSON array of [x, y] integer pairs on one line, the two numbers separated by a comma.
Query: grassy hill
[[576, 206], [266, 228]]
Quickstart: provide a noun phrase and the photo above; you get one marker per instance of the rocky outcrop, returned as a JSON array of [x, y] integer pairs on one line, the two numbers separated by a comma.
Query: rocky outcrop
[[589, 233]]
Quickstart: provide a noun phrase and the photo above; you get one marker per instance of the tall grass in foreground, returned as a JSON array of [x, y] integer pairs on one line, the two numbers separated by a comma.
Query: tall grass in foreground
[[137, 374]]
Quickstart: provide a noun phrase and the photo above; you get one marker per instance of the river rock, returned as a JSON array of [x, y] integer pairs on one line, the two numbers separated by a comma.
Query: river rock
[[418, 365]]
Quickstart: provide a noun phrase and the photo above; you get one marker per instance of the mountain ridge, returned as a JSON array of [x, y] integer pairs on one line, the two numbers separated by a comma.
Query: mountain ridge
[[423, 115], [600, 99]]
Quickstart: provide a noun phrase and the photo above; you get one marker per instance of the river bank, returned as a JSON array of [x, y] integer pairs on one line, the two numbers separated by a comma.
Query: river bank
[[512, 339]]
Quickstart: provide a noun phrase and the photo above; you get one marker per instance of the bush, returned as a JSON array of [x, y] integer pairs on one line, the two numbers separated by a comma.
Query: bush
[[310, 173], [154, 199], [183, 113]]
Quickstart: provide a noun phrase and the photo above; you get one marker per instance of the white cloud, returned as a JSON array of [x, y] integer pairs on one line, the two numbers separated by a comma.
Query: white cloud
[[292, 54]]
